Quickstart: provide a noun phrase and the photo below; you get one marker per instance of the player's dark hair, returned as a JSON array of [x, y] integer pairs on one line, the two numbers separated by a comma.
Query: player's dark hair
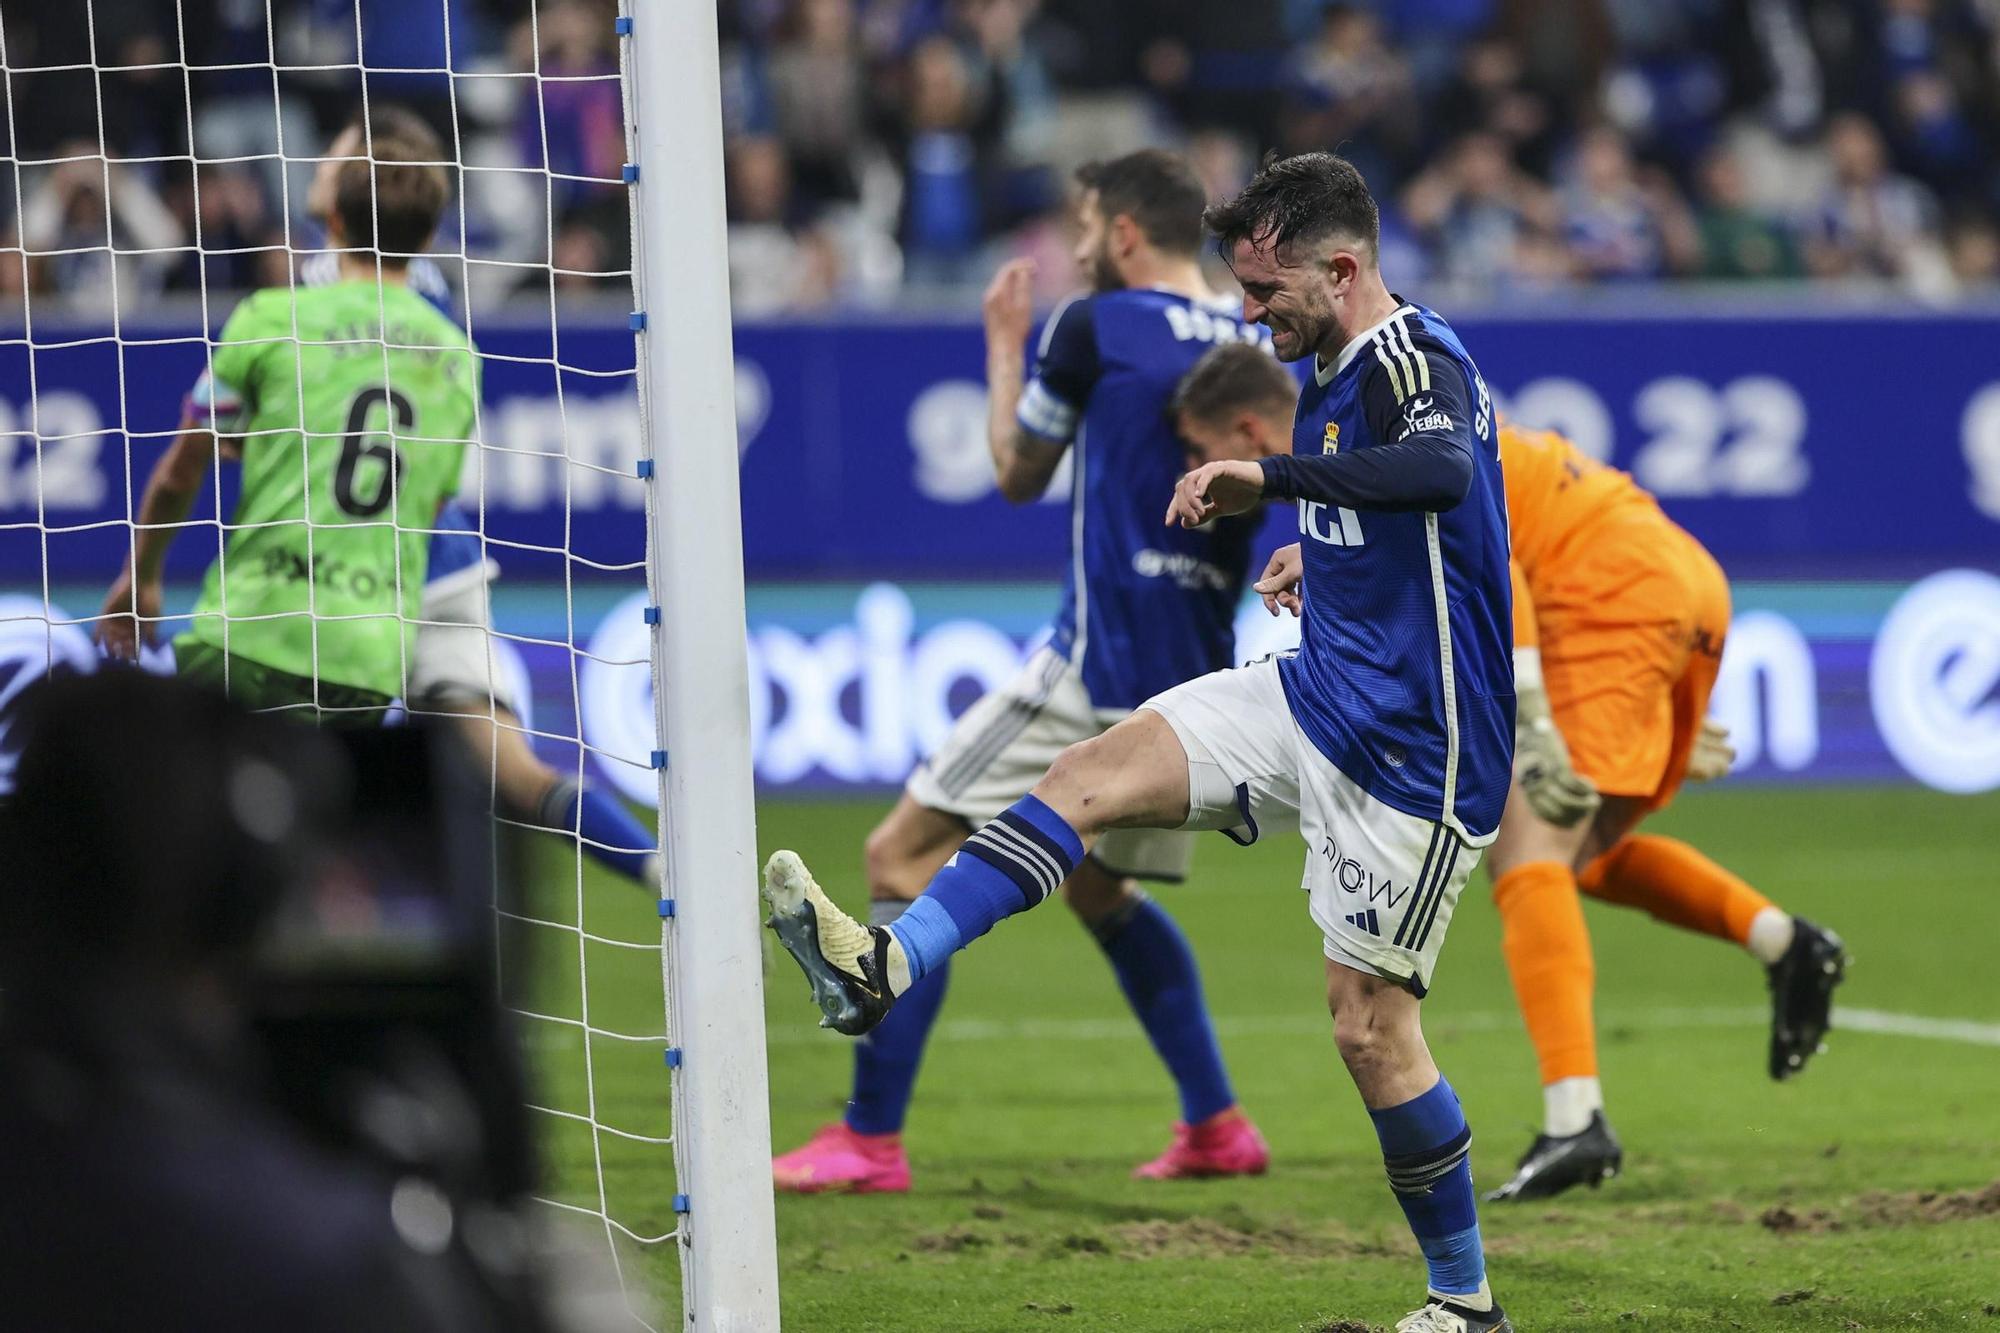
[[1230, 379], [391, 120], [1158, 190], [390, 200], [1298, 201]]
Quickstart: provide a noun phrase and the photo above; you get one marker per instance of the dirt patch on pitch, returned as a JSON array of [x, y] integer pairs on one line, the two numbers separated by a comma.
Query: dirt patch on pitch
[[1200, 1237], [1917, 1208]]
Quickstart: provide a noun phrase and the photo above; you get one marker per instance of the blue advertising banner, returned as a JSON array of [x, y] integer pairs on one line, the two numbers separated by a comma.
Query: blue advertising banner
[[851, 684], [1786, 445]]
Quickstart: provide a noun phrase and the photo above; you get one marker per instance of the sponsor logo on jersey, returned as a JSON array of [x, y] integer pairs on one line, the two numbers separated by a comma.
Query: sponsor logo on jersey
[[1355, 878], [1187, 571], [1331, 444], [1422, 414]]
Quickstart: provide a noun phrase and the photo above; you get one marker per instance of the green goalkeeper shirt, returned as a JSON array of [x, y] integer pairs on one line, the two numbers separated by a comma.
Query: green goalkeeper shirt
[[358, 400]]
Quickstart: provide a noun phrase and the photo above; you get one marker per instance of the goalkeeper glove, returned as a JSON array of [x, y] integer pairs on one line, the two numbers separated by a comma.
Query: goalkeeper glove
[[1553, 788], [1712, 755]]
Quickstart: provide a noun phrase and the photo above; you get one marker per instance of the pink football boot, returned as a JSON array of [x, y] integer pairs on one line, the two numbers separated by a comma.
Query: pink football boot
[[1225, 1144], [836, 1160]]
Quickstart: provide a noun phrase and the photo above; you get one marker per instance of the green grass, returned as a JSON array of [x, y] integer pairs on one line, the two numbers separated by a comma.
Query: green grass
[[1040, 1094]]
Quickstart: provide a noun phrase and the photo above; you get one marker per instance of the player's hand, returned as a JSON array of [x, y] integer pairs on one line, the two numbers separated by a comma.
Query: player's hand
[[1283, 576], [117, 633], [1216, 490], [1713, 754], [1008, 307], [1555, 791]]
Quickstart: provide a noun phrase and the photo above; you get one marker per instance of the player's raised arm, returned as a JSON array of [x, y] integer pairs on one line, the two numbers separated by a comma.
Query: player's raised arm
[[1030, 422], [1417, 402], [132, 607]]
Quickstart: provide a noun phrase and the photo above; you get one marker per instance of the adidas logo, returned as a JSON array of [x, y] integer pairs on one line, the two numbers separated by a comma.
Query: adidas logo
[[1364, 920]]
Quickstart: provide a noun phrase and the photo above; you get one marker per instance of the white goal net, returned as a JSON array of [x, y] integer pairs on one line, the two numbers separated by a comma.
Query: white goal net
[[166, 159]]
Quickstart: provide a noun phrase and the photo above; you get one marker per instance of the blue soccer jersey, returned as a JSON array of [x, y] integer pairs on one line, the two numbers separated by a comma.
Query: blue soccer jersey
[[1404, 676], [1144, 606]]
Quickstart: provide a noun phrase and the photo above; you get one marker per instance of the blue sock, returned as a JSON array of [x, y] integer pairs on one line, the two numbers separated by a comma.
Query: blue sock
[[609, 830], [1005, 867], [1156, 969], [886, 1060], [1424, 1146]]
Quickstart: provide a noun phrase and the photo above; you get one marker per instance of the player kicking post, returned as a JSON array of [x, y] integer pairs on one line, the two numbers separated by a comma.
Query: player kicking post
[[1388, 736], [1619, 621], [352, 404], [1142, 610]]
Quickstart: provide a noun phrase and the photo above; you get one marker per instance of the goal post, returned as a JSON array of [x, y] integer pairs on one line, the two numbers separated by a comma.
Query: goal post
[[713, 957]]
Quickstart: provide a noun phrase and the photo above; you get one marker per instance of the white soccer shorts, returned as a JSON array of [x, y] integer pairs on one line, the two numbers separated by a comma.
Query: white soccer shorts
[[1003, 745], [1380, 884], [453, 663]]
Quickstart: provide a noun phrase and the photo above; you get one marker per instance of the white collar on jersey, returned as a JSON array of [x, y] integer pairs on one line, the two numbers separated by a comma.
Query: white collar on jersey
[[1323, 374]]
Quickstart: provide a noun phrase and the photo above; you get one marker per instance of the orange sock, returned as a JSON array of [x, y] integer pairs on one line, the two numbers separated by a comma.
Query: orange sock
[[1548, 955], [1674, 883]]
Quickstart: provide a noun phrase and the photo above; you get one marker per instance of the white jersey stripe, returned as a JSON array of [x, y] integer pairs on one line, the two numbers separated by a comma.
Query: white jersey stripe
[[1395, 377], [1449, 816], [1423, 363]]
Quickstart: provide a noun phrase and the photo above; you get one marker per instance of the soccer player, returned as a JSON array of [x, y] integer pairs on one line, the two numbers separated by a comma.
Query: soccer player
[[452, 670], [1388, 736], [1142, 610], [1619, 622], [353, 403]]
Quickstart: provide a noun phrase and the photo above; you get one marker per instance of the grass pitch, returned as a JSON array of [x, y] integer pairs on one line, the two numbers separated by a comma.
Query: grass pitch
[[1863, 1195]]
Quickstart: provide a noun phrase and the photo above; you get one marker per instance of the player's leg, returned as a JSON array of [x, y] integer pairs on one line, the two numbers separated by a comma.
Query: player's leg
[[1135, 775], [1156, 970], [1614, 640], [530, 791], [1547, 948], [1675, 883], [862, 1153], [1382, 886]]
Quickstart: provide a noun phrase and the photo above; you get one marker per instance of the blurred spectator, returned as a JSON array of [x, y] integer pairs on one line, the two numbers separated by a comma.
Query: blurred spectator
[[1490, 93], [1479, 214], [1348, 88], [575, 127], [946, 133], [1731, 240], [773, 265], [90, 252], [1873, 223], [1615, 217], [818, 90], [222, 208], [1975, 252]]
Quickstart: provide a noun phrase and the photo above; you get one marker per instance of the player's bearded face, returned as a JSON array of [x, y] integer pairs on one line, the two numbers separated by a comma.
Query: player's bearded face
[[1093, 247]]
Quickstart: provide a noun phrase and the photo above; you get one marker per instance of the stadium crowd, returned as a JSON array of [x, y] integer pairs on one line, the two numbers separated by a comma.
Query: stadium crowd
[[892, 152]]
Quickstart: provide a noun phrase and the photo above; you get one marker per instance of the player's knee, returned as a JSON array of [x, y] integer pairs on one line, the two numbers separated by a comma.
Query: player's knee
[[1369, 1025], [1095, 894], [890, 868], [1078, 783]]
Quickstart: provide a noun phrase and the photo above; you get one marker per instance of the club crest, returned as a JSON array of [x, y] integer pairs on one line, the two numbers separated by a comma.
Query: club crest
[[1331, 443]]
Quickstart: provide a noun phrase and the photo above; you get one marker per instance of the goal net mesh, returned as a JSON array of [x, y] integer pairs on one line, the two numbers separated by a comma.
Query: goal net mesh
[[162, 162]]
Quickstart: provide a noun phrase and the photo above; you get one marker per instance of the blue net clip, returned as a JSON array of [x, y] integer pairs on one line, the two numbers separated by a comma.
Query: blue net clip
[[659, 759], [652, 614], [682, 1203], [673, 1057], [623, 26], [645, 468], [629, 172], [638, 321], [666, 907]]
